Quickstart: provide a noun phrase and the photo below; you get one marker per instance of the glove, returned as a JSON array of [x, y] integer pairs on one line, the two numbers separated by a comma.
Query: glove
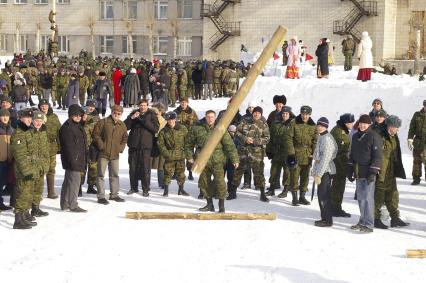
[[291, 161], [410, 144], [317, 180], [372, 173], [28, 177], [350, 173]]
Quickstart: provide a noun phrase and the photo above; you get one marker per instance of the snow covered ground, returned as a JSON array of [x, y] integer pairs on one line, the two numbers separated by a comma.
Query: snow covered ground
[[103, 246]]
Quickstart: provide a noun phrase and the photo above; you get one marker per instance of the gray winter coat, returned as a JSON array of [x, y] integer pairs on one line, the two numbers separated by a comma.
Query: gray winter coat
[[324, 154], [131, 89], [73, 91]]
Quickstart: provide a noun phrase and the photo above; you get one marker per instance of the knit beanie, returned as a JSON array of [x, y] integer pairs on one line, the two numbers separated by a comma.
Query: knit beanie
[[258, 109], [323, 122]]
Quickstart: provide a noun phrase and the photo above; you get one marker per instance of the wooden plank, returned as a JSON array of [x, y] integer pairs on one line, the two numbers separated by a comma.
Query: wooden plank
[[416, 253], [201, 216]]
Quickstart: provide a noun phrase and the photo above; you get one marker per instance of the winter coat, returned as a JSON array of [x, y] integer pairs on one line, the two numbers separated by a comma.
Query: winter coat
[[46, 81], [276, 149], [417, 129], [131, 89], [30, 151], [73, 142], [182, 81], [197, 76], [89, 126], [322, 54], [142, 130], [116, 81], [259, 132], [341, 136], [392, 166], [324, 154], [52, 127], [366, 153], [273, 116], [301, 140], [144, 80], [61, 82], [364, 53], [6, 132], [102, 89], [73, 92], [19, 94], [110, 138], [293, 53], [186, 117], [348, 47], [198, 137], [208, 75], [84, 84], [171, 142]]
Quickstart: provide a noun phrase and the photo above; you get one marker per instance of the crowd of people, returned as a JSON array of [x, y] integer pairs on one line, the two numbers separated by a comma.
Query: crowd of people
[[366, 149]]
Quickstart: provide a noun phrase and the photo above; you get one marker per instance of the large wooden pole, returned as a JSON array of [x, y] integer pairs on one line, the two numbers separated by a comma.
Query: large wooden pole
[[234, 106], [201, 216], [416, 253]]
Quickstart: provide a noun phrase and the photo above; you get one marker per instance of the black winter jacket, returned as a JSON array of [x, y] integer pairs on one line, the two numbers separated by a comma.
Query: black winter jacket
[[72, 138], [142, 130]]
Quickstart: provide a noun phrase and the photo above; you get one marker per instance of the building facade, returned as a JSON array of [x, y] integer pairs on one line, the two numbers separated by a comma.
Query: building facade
[[392, 25], [161, 28]]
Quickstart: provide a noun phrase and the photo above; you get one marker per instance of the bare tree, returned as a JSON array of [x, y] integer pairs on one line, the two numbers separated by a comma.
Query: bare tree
[[129, 26], [17, 38], [174, 27], [91, 25], [150, 24]]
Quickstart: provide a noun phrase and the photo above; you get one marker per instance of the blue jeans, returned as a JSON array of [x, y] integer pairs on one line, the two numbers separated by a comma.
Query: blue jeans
[[365, 196]]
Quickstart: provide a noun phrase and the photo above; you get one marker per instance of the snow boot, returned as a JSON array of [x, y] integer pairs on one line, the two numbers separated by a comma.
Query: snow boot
[[190, 177], [91, 190], [295, 201], [145, 193], [283, 194], [29, 219], [397, 222], [51, 187], [182, 192], [322, 223], [302, 199], [415, 182], [166, 191], [221, 206], [263, 195], [160, 177], [208, 207], [232, 194], [270, 192], [20, 223], [37, 212], [379, 224], [339, 212]]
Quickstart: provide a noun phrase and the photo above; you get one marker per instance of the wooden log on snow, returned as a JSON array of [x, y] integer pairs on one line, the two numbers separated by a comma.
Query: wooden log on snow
[[416, 253], [201, 216]]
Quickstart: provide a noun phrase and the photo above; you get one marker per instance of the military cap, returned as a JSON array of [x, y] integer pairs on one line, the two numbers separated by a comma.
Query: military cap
[[306, 109], [38, 115], [285, 109], [393, 121], [381, 113], [43, 101], [170, 115], [28, 112]]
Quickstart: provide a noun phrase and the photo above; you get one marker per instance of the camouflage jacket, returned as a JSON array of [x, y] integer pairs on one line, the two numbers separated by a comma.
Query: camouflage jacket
[[61, 82], [341, 135], [392, 166], [417, 129], [186, 117], [89, 125], [276, 149], [173, 82], [217, 74], [171, 142], [259, 132], [52, 129], [182, 81], [301, 140], [84, 84]]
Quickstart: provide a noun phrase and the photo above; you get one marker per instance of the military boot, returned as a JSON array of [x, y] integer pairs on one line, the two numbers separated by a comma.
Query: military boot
[[302, 199], [232, 194], [208, 207], [270, 192], [200, 195], [190, 177], [379, 224], [263, 195], [29, 219], [415, 182], [221, 206], [339, 212], [397, 222], [166, 191], [283, 194], [182, 192], [295, 201], [160, 176], [91, 190], [20, 223], [51, 187], [37, 212]]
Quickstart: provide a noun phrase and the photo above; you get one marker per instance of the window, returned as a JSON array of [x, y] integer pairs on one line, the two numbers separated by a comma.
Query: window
[[184, 46], [23, 43], [63, 44], [41, 2], [21, 1], [160, 7], [107, 10], [184, 9], [3, 42], [3, 1], [107, 44], [63, 1], [160, 45], [125, 44], [44, 42], [130, 9]]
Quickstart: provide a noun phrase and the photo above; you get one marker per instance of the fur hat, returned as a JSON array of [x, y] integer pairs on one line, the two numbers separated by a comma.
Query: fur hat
[[323, 122], [285, 109], [347, 118], [258, 109], [393, 121], [279, 99], [381, 113], [75, 110], [306, 109], [364, 119], [170, 115]]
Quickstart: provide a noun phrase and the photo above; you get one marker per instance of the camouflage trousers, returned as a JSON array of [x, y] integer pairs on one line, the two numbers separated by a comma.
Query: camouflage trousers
[[348, 62], [28, 192], [257, 167], [387, 193], [92, 174], [190, 91], [217, 89], [230, 89], [182, 93], [419, 157], [208, 186], [61, 97], [274, 179], [172, 96], [174, 167], [338, 187], [82, 97], [299, 178]]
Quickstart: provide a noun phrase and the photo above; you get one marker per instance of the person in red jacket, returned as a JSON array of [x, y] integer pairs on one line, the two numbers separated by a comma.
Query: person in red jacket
[[116, 81]]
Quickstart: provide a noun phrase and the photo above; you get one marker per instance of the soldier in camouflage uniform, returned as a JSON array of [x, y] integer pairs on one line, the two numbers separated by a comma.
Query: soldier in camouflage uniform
[[52, 128], [84, 86], [173, 83], [253, 136], [340, 134], [197, 138], [385, 188], [171, 143], [61, 83], [217, 85], [7, 84], [417, 143], [301, 140], [90, 118], [232, 81], [190, 88], [225, 80], [182, 83], [277, 151]]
